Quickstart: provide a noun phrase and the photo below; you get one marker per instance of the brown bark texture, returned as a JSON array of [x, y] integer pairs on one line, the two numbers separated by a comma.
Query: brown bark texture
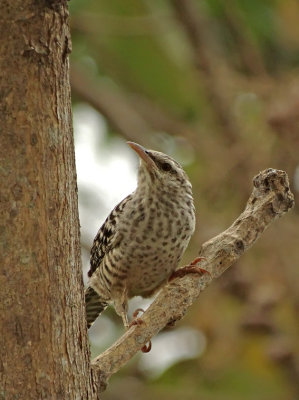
[[43, 345]]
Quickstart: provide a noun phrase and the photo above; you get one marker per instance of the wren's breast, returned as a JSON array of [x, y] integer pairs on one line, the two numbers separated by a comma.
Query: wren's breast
[[155, 243]]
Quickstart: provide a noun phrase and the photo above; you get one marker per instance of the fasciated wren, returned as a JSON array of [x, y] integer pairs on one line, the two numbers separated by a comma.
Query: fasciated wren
[[143, 239]]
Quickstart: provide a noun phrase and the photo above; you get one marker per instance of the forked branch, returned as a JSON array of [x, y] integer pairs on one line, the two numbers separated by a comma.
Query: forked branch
[[271, 198]]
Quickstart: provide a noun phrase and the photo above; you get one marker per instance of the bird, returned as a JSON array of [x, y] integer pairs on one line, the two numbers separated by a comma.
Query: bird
[[140, 244]]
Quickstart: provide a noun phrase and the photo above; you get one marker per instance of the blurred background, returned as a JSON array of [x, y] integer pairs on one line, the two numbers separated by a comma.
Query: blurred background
[[214, 84]]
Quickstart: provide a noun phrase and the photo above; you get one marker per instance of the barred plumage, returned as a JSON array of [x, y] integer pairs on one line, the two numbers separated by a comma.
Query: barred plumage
[[142, 240], [94, 305], [106, 237]]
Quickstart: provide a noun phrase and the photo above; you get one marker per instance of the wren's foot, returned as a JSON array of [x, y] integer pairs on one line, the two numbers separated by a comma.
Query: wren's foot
[[137, 321], [189, 269], [197, 260]]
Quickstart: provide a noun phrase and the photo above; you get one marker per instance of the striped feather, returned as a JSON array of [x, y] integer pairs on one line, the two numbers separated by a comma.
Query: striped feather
[[94, 306]]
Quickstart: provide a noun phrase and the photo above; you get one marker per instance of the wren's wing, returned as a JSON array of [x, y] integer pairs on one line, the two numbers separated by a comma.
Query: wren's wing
[[106, 238]]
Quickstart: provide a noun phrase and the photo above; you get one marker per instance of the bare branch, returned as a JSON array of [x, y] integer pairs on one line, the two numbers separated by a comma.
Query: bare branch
[[271, 198]]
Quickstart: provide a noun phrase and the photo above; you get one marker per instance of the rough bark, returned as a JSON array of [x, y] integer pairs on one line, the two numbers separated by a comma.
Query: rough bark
[[271, 198], [43, 346]]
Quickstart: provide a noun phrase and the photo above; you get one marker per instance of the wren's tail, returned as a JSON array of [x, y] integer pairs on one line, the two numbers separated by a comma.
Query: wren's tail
[[94, 306]]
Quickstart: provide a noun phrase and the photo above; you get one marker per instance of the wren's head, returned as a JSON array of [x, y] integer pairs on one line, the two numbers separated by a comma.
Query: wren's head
[[159, 170]]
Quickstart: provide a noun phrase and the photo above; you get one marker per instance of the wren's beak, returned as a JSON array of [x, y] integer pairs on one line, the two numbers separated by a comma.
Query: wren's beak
[[143, 154]]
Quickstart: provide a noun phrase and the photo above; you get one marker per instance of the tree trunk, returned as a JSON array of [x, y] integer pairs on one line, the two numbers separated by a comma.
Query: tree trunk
[[43, 344]]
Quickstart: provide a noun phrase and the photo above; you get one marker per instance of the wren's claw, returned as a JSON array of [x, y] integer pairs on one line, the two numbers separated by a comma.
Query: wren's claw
[[137, 311], [189, 269], [137, 321], [147, 347], [198, 260]]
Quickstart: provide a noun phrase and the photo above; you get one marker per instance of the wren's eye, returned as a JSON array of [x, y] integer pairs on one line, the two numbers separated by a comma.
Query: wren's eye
[[165, 166]]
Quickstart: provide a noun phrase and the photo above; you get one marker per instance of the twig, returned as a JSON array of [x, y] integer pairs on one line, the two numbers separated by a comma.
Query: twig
[[271, 198]]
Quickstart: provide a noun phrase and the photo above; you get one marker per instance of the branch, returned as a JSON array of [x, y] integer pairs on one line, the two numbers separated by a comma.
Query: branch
[[271, 198]]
